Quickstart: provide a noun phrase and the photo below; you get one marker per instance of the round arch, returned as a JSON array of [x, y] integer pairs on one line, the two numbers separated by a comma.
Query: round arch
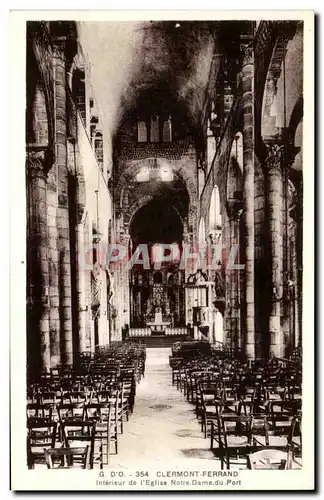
[[134, 168], [283, 84]]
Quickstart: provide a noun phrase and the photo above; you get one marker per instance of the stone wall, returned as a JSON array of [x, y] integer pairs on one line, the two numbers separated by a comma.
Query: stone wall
[[64, 183]]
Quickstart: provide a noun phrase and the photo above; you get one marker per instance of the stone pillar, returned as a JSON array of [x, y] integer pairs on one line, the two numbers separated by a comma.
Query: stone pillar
[[54, 318], [64, 271], [233, 274], [248, 191], [274, 162], [103, 333], [81, 288], [262, 281], [38, 273], [126, 287], [85, 302], [299, 250], [233, 289], [214, 254]]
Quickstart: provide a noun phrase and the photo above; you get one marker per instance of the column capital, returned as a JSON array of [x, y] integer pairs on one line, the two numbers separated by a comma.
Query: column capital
[[247, 50], [38, 160], [275, 155], [59, 47]]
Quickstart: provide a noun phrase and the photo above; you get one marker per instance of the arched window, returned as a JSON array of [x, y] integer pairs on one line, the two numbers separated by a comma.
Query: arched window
[[237, 149], [79, 93], [215, 216], [98, 147], [141, 131], [167, 130]]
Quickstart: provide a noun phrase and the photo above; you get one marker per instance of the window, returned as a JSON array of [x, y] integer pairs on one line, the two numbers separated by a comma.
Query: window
[[93, 125], [78, 92], [98, 147], [167, 130], [154, 129], [141, 131]]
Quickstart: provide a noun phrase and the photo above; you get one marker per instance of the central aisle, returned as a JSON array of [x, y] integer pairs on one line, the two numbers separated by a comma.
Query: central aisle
[[163, 425]]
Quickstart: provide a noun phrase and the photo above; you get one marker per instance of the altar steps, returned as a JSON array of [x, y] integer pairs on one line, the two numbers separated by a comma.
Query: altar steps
[[158, 340]]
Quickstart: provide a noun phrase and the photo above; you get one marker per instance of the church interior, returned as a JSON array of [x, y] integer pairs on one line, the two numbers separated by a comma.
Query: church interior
[[164, 188]]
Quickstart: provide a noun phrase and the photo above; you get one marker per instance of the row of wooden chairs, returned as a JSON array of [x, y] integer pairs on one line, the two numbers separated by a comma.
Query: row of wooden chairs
[[75, 413], [57, 421], [231, 398], [240, 436], [58, 396], [98, 433]]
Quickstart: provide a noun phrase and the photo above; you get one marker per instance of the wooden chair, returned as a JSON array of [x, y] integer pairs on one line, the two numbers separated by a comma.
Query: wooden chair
[[235, 437], [123, 404], [280, 429], [103, 396], [270, 458], [71, 411], [209, 407], [40, 436], [49, 397], [116, 413], [78, 397], [295, 438], [39, 413], [129, 392], [68, 458], [78, 434], [176, 369], [106, 429]]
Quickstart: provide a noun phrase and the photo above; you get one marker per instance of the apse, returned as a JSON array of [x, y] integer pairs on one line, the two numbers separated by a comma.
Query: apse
[[156, 222]]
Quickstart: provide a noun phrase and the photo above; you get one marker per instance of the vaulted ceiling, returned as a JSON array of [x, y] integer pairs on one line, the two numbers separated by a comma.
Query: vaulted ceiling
[[149, 64]]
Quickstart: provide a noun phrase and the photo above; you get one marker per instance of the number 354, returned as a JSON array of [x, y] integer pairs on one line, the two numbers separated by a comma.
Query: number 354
[[142, 473]]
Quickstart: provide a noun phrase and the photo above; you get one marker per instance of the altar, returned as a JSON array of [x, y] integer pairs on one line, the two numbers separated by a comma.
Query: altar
[[158, 326]]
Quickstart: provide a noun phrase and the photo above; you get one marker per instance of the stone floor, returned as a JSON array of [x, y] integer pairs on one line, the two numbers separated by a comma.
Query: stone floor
[[163, 426]]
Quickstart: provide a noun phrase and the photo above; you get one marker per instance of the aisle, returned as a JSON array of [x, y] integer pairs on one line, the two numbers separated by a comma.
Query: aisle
[[163, 425]]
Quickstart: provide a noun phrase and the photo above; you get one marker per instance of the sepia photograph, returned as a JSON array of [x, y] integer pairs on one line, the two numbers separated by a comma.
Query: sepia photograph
[[167, 196]]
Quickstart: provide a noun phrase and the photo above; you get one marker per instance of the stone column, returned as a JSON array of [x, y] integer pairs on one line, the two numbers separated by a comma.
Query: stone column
[[85, 302], [273, 163], [126, 288], [53, 260], [214, 254], [81, 289], [64, 271], [38, 273], [232, 295], [248, 191]]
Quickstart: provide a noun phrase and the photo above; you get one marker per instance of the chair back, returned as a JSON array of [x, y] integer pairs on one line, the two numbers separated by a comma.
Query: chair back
[[270, 458], [40, 436], [68, 458]]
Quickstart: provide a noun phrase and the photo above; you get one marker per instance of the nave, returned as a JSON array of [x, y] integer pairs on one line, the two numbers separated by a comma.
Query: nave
[[163, 426], [164, 256], [189, 405]]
